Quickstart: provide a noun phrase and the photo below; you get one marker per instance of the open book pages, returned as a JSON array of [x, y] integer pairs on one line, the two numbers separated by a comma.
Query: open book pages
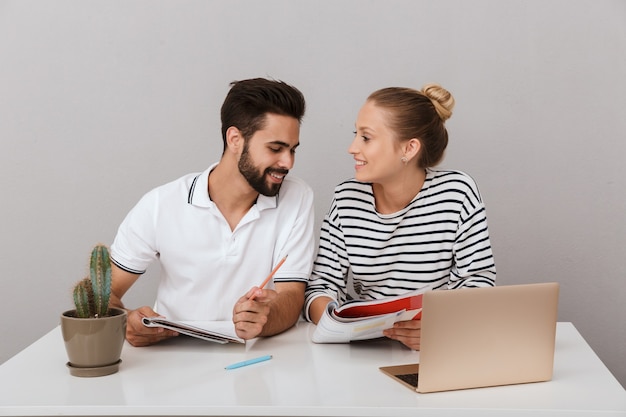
[[213, 331], [333, 329], [366, 319]]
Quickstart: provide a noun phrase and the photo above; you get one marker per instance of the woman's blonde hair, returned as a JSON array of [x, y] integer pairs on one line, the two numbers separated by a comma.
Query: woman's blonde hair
[[418, 114]]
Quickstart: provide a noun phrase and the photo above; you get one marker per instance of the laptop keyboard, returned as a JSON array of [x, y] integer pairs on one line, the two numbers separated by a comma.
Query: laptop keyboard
[[410, 379]]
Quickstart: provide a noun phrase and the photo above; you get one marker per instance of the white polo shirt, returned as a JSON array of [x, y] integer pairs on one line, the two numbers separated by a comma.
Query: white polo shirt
[[206, 267]]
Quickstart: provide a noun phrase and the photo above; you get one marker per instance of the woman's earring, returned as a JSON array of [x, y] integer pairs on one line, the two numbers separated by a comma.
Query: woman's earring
[[404, 160]]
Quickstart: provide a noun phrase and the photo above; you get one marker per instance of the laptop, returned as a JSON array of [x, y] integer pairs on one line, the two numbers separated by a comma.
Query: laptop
[[482, 337]]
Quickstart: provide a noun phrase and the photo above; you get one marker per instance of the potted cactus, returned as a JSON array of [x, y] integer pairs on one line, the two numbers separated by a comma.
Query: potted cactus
[[93, 332]]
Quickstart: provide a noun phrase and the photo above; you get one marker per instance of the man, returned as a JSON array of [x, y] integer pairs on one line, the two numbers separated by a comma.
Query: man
[[218, 234]]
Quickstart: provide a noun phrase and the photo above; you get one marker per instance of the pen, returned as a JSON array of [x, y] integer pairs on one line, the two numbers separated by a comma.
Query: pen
[[249, 362], [264, 283]]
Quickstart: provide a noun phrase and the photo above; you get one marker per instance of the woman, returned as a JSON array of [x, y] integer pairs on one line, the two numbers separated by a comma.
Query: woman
[[400, 225]]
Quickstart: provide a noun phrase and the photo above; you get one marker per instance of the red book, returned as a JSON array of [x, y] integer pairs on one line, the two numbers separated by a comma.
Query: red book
[[369, 308]]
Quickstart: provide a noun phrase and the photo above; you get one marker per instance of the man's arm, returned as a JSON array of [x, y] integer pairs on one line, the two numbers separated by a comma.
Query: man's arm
[[271, 312], [136, 333], [285, 309], [121, 281]]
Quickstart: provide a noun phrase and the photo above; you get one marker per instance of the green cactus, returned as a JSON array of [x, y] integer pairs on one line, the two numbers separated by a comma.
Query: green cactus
[[82, 293], [91, 294]]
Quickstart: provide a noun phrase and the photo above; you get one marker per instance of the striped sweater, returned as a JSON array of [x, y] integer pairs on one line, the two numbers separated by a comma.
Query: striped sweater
[[440, 238]]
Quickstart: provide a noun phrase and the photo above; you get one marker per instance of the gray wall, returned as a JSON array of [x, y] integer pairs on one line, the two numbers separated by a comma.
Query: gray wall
[[102, 100]]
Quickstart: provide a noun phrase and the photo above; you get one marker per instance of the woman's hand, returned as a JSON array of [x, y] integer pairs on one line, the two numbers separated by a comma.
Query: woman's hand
[[406, 332]]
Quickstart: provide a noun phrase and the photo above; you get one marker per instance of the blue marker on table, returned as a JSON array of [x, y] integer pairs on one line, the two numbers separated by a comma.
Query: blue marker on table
[[249, 362]]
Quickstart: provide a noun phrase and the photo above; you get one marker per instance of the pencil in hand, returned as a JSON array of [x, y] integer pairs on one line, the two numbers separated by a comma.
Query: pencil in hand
[[269, 277]]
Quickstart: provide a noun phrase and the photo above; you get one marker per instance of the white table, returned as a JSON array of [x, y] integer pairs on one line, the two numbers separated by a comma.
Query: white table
[[187, 377]]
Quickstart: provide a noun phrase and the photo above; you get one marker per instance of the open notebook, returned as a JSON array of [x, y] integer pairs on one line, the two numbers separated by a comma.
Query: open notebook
[[484, 337]]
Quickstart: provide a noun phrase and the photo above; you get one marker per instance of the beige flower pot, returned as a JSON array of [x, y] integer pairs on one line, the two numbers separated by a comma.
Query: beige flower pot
[[94, 345]]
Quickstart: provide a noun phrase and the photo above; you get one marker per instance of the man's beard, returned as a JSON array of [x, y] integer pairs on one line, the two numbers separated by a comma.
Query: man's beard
[[257, 179]]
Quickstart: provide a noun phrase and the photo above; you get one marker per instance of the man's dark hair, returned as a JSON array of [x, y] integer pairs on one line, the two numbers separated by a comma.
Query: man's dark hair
[[248, 101]]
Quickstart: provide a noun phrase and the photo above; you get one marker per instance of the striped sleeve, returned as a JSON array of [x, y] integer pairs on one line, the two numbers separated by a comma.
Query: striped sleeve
[[474, 264], [331, 264]]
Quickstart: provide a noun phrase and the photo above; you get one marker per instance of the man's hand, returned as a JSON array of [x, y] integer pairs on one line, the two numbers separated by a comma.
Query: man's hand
[[136, 333], [250, 315], [407, 332], [139, 335]]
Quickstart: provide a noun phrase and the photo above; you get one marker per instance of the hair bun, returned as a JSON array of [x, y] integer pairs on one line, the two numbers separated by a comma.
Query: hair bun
[[441, 99]]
